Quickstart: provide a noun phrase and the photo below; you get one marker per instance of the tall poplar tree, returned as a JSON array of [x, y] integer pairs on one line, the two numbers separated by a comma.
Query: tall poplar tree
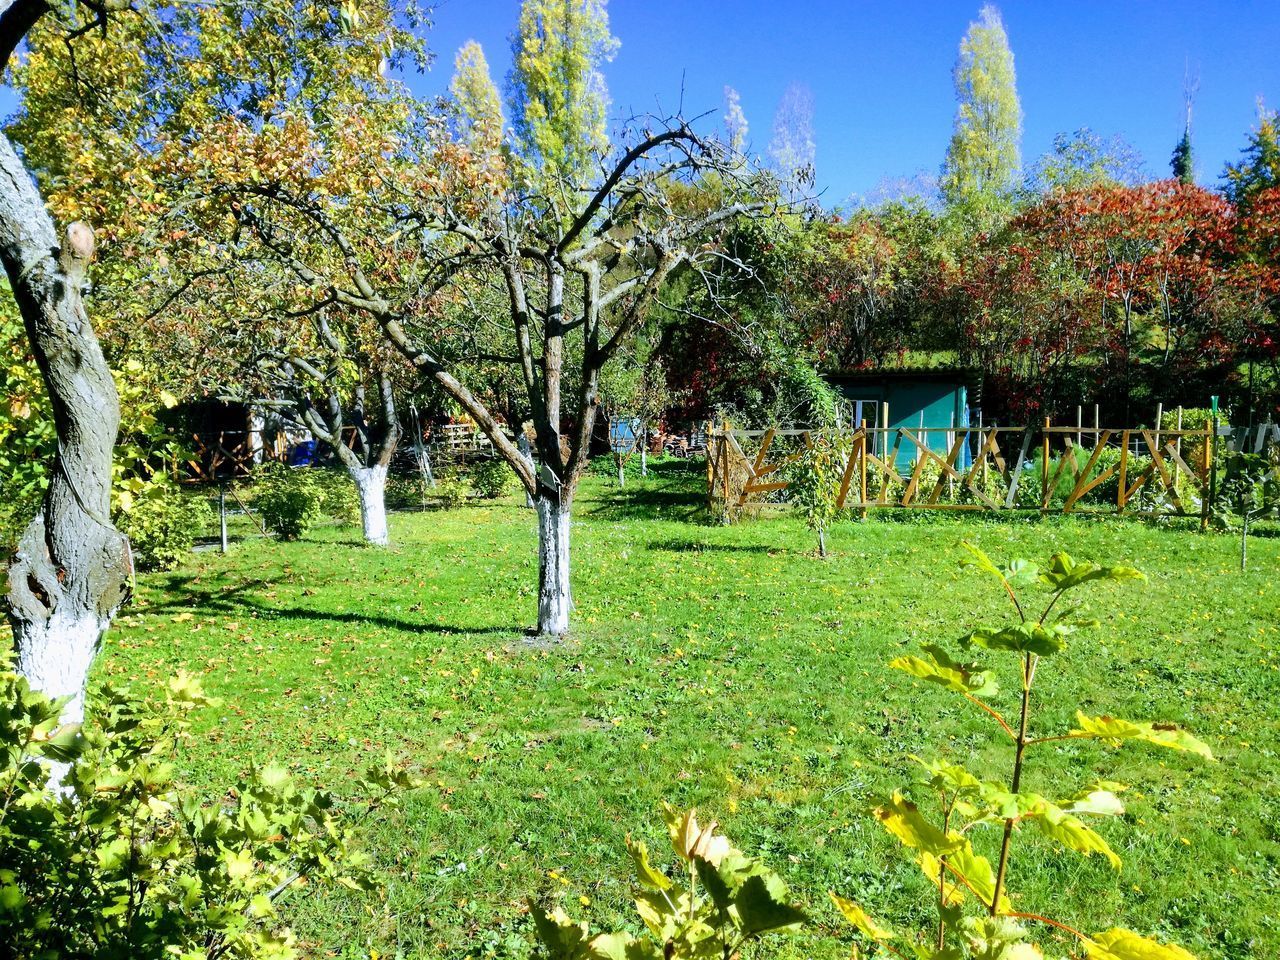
[[477, 100], [557, 93], [793, 150], [735, 121], [983, 158]]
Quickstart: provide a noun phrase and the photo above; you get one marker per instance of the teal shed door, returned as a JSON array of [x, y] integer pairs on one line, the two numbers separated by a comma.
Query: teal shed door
[[930, 410]]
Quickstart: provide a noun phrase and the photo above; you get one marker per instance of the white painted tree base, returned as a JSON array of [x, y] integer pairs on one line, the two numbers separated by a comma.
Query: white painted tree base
[[555, 600], [371, 486], [55, 657]]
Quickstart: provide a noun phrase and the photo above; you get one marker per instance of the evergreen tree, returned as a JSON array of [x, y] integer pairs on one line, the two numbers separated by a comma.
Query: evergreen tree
[[557, 93], [1259, 167], [983, 158], [1182, 163]]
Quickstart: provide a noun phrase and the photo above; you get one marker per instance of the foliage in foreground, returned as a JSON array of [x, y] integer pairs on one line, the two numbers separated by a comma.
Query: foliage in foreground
[[114, 862], [967, 803], [720, 900]]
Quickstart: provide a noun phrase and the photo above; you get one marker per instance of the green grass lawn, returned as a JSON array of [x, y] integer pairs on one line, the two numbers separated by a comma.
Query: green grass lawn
[[725, 667]]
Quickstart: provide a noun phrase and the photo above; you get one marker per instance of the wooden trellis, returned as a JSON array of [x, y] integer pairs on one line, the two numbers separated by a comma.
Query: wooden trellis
[[738, 482]]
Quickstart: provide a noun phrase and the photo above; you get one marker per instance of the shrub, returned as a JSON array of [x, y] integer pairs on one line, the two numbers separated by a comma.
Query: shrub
[[719, 901], [451, 491], [289, 501], [969, 802], [406, 490], [813, 482], [115, 863], [162, 525], [341, 502], [492, 478]]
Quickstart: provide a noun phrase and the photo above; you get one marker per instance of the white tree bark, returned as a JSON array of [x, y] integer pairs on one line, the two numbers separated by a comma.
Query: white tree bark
[[371, 485], [56, 655], [555, 600]]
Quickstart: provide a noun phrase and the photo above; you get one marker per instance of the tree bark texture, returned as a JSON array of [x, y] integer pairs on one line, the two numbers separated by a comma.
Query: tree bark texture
[[72, 569]]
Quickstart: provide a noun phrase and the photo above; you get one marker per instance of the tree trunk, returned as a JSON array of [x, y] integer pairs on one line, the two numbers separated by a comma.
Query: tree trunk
[[371, 485], [554, 597], [72, 569]]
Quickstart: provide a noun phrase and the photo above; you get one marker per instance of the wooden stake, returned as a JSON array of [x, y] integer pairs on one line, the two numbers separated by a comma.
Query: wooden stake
[[1044, 467]]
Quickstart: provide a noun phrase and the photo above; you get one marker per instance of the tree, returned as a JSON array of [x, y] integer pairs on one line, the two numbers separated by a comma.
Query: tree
[[286, 74], [327, 377], [735, 121], [1258, 169], [559, 100], [1182, 163], [479, 106], [983, 158], [575, 286], [72, 569], [793, 150], [1084, 159]]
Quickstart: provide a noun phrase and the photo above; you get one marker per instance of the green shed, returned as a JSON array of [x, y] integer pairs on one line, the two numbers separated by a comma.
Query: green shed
[[929, 403]]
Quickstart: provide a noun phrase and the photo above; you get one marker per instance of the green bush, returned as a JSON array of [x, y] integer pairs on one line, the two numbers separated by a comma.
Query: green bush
[[492, 478], [450, 491], [115, 862], [162, 525], [406, 490], [341, 502], [289, 501]]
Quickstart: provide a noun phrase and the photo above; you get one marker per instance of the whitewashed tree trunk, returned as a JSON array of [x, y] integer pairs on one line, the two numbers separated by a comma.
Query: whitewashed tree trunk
[[56, 655], [555, 600], [72, 568], [371, 485]]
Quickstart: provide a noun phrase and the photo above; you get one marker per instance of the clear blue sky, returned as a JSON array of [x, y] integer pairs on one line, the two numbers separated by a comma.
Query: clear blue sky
[[881, 72]]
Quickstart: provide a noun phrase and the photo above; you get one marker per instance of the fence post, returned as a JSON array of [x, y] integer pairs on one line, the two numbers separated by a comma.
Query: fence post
[[1044, 468], [862, 470], [1211, 458], [1124, 470], [222, 516]]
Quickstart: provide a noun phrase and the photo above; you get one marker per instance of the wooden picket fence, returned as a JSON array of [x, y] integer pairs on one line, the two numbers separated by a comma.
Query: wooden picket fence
[[1175, 465]]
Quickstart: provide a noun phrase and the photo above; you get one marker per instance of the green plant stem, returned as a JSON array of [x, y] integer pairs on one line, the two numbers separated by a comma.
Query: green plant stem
[[1028, 674]]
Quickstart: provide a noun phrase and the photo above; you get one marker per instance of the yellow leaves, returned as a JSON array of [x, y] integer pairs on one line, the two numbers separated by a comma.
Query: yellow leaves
[[861, 920], [691, 840], [903, 819], [1118, 944], [1161, 734]]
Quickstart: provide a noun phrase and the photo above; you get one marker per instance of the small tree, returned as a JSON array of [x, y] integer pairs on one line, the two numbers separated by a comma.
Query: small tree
[[813, 482], [969, 802]]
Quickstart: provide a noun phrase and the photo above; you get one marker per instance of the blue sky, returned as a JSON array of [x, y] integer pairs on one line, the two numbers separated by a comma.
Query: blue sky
[[881, 72]]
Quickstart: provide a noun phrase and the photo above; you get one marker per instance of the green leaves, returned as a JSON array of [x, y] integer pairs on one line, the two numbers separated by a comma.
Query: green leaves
[[1115, 731], [762, 907], [1064, 573], [939, 668], [119, 860], [1020, 638]]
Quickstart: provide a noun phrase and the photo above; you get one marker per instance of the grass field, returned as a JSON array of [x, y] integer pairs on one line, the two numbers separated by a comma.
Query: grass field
[[725, 667]]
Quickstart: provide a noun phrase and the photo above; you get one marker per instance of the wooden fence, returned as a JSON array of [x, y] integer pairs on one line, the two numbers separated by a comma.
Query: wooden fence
[[1042, 468]]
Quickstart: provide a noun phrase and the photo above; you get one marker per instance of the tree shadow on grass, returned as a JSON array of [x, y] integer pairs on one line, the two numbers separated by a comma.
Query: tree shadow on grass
[[700, 546], [672, 491], [238, 602]]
